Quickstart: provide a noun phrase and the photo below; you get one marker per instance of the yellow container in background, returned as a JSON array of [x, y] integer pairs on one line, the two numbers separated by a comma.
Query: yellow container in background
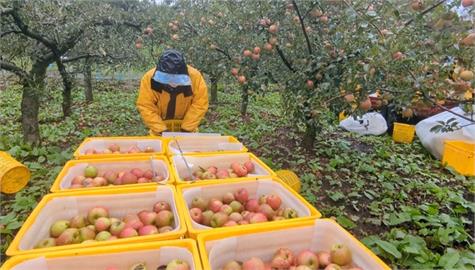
[[192, 145], [342, 116], [403, 133], [180, 170], [73, 168], [255, 187], [13, 175], [119, 202], [98, 258], [290, 178], [101, 143], [461, 156], [236, 243]]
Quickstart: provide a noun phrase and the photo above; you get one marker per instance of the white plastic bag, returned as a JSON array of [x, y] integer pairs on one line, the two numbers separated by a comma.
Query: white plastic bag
[[434, 142], [369, 124]]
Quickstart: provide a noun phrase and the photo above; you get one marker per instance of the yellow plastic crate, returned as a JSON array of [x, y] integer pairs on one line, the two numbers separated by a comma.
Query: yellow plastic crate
[[342, 116], [403, 133], [120, 202], [13, 175], [218, 247], [256, 187], [180, 171], [289, 178], [461, 156], [191, 145], [73, 168], [101, 143], [98, 258]]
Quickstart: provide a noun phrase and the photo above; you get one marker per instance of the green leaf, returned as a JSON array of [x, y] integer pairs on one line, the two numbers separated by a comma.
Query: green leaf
[[345, 222], [389, 248], [449, 259]]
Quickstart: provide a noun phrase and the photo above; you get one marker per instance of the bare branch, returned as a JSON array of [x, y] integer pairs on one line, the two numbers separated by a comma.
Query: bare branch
[[26, 31], [9, 32], [309, 46], [427, 10], [426, 97], [284, 59], [13, 68], [224, 52]]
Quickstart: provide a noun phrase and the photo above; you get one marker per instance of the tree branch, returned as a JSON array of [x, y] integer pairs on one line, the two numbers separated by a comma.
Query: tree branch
[[6, 11], [9, 32], [284, 59], [224, 52], [427, 10], [368, 20], [24, 29], [426, 97], [303, 27], [13, 68]]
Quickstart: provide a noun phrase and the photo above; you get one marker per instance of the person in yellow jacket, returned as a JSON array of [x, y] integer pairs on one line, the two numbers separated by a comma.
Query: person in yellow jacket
[[172, 90]]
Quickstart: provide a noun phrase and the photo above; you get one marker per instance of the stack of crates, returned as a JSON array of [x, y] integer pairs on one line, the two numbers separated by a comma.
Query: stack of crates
[[174, 160]]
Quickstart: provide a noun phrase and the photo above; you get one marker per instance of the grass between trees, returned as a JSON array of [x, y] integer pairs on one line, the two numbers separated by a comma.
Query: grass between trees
[[400, 201]]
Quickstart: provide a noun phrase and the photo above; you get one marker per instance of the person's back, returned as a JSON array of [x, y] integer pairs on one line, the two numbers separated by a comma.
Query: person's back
[[172, 91]]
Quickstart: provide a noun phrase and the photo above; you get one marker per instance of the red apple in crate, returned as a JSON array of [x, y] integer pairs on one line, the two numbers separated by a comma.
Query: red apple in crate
[[147, 217], [235, 217], [246, 215], [76, 186], [222, 174], [128, 232], [134, 149], [86, 234], [90, 151], [253, 264], [148, 174], [218, 219], [226, 209], [230, 223], [110, 176], [228, 197], [199, 202], [96, 213], [78, 222], [149, 149], [212, 169], [239, 169], [134, 223], [114, 147], [130, 217], [99, 181], [242, 195], [165, 229], [59, 227], [267, 211], [236, 206], [160, 206], [69, 236], [340, 254], [117, 227], [102, 224], [333, 266], [283, 258], [324, 258], [77, 180], [137, 172], [207, 215], [148, 230], [129, 178], [164, 218], [232, 265], [252, 205], [177, 265], [243, 222], [143, 180], [274, 201], [307, 258], [215, 205], [196, 215], [249, 166], [103, 236], [257, 218], [48, 242]]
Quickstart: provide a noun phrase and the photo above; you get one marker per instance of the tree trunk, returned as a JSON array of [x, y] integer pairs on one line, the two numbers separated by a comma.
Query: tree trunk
[[214, 90], [67, 87], [30, 104], [309, 137], [244, 100], [88, 82]]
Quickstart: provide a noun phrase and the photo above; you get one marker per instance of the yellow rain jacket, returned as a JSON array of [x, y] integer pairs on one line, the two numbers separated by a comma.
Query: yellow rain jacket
[[190, 108]]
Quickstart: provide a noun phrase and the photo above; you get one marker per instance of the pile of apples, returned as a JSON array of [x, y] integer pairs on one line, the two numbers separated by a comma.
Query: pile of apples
[[234, 171], [172, 265], [338, 258], [99, 226], [92, 178], [115, 149], [238, 209]]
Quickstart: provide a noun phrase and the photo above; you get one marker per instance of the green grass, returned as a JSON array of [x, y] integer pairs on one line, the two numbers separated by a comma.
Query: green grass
[[395, 197]]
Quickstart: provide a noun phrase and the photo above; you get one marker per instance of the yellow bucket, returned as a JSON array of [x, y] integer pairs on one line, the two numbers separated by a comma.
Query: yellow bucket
[[403, 133], [13, 175], [290, 178]]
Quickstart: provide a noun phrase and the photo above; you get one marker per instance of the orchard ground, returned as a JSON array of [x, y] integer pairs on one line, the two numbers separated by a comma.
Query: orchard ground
[[403, 204]]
